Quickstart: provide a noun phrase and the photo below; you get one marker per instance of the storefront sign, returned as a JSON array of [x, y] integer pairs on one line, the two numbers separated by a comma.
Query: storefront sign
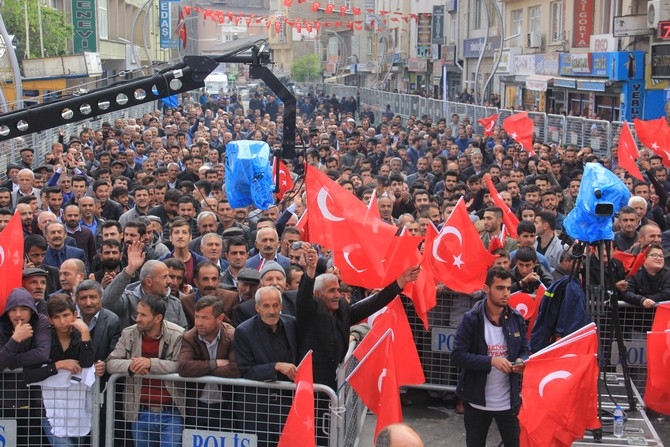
[[581, 63], [165, 25], [591, 86], [582, 24], [424, 29], [202, 438], [472, 48], [449, 54], [438, 24], [547, 64], [660, 61], [524, 64], [599, 64], [83, 20], [602, 43], [416, 65]]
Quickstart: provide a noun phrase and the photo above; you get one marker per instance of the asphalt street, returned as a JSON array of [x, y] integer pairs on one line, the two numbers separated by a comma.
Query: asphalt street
[[440, 426]]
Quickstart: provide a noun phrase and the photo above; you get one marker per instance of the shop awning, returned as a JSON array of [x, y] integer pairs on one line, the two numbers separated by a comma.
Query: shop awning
[[538, 83], [585, 84], [339, 79], [565, 82]]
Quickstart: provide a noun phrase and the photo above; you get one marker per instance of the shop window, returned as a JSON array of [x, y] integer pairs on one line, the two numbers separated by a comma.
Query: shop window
[[557, 26]]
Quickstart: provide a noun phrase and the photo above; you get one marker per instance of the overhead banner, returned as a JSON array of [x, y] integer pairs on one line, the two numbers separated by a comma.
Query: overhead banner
[[83, 21]]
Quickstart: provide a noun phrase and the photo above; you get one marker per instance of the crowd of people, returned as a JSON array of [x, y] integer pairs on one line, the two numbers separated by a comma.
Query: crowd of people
[[135, 262]]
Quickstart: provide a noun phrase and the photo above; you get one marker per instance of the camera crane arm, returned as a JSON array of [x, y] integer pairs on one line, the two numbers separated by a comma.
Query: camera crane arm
[[185, 76]]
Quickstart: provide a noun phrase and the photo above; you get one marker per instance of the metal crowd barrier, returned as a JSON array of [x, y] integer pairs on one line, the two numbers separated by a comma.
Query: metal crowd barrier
[[23, 418], [580, 132], [252, 413]]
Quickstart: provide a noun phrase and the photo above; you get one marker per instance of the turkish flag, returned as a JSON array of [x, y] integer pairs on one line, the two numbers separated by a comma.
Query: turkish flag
[[182, 28], [498, 242], [365, 250], [631, 263], [655, 134], [330, 8], [526, 305], [11, 258], [520, 127], [559, 399], [422, 293], [301, 226], [373, 208], [488, 123], [628, 153], [456, 256], [509, 218], [580, 342], [661, 317], [299, 426], [288, 3], [396, 255], [393, 317], [657, 391], [316, 6], [374, 380], [285, 180]]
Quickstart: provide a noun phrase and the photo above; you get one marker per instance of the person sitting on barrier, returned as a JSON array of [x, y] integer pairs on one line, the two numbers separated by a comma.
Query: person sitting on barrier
[[266, 348], [398, 435], [651, 284], [207, 350], [25, 340], [68, 419], [151, 346]]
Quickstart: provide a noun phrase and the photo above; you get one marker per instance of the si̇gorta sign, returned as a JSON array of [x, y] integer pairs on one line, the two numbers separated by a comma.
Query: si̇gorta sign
[[83, 20]]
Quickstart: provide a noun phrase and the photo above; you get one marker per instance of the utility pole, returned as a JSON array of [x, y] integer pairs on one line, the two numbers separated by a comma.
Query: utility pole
[[18, 86]]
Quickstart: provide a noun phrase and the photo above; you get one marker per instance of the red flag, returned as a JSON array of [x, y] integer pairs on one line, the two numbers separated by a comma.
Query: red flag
[[498, 242], [520, 127], [393, 317], [373, 208], [301, 226], [299, 427], [488, 123], [657, 391], [509, 218], [655, 134], [357, 268], [182, 29], [456, 256], [628, 153], [288, 3], [422, 293], [374, 380], [330, 8], [285, 180], [631, 263], [316, 6], [661, 317], [11, 258], [559, 398]]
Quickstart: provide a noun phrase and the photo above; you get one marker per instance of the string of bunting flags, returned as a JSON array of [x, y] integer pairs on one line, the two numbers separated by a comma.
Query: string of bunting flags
[[219, 16]]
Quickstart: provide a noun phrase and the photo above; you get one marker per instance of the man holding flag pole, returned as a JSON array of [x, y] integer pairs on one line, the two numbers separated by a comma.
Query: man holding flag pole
[[490, 348]]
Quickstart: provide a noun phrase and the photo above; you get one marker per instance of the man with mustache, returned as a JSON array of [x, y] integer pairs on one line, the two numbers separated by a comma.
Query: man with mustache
[[207, 280], [57, 251]]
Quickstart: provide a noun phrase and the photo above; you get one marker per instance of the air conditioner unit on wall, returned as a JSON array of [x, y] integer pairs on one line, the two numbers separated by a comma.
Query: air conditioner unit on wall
[[534, 40], [657, 11]]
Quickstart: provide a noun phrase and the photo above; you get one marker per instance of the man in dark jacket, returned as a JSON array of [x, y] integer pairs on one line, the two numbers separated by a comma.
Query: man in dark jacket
[[490, 348], [25, 340]]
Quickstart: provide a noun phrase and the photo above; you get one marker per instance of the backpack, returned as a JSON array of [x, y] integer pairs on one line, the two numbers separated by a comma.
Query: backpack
[[562, 311]]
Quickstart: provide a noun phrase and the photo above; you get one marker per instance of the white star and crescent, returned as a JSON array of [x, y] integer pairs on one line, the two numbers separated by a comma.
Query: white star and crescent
[[321, 201], [560, 374], [449, 230]]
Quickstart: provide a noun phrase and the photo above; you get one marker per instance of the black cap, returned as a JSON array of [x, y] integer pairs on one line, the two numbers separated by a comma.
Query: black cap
[[232, 232], [27, 149], [28, 273], [249, 275], [116, 162]]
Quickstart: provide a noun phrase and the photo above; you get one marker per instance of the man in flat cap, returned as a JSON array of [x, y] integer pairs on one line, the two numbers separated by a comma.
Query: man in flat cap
[[34, 280]]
